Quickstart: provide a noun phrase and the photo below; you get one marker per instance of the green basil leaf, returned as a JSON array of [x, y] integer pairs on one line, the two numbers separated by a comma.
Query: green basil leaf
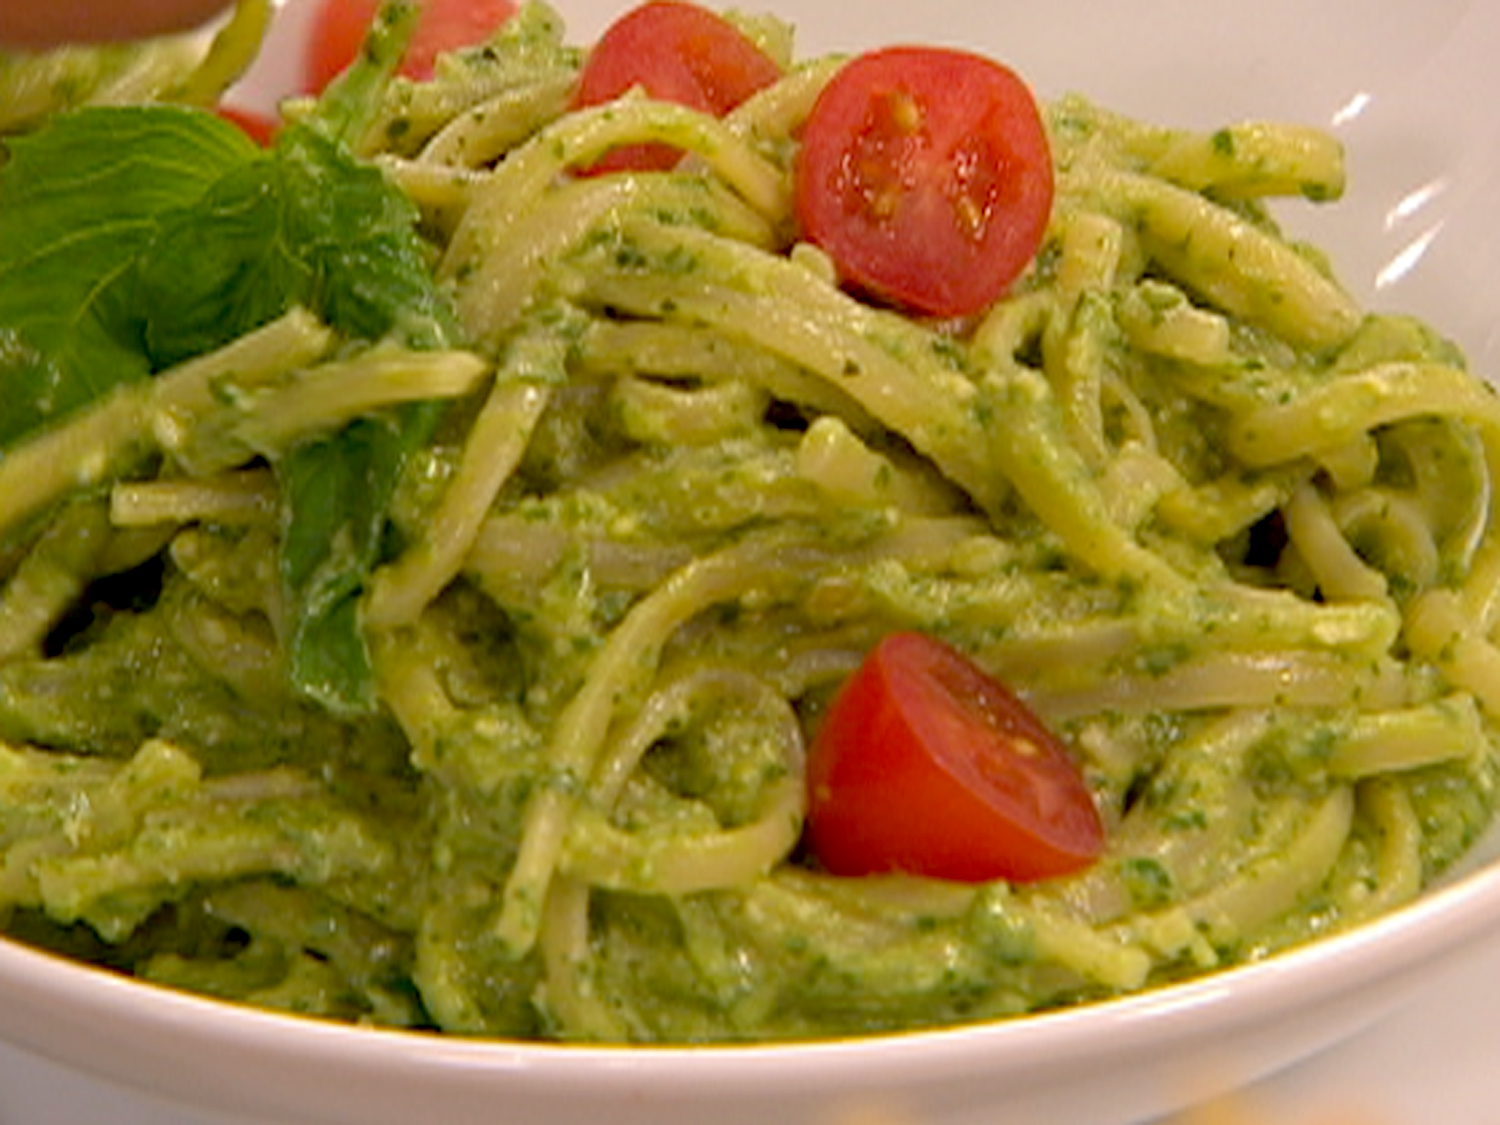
[[133, 239], [80, 201]]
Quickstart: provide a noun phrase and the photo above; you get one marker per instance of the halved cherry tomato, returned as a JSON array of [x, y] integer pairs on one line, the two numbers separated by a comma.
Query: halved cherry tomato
[[927, 765], [339, 27], [678, 53], [926, 176], [259, 127]]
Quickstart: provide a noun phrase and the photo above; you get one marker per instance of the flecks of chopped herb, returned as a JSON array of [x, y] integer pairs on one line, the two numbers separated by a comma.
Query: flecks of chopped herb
[[1158, 660], [1185, 820], [1148, 883]]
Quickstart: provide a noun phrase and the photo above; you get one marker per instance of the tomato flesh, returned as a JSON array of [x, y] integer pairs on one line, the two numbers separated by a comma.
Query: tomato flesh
[[675, 52], [925, 764], [926, 175], [339, 27]]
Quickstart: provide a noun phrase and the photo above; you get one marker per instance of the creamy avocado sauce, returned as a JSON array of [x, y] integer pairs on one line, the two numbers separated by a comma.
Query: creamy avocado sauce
[[440, 648]]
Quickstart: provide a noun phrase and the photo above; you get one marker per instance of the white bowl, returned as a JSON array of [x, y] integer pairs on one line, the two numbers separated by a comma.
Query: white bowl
[[1410, 88]]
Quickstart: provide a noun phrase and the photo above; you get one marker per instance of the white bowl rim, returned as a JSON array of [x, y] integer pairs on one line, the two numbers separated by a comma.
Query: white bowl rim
[[1441, 922]]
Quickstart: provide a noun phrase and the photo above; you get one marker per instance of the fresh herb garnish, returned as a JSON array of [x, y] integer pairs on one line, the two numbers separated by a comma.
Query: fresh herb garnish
[[134, 238]]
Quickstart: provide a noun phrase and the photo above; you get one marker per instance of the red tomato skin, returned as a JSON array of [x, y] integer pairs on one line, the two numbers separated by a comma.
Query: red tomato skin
[[926, 765], [339, 26], [926, 174], [675, 52], [259, 127]]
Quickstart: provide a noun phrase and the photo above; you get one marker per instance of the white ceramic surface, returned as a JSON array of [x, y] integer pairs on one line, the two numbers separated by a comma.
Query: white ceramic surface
[[1410, 87]]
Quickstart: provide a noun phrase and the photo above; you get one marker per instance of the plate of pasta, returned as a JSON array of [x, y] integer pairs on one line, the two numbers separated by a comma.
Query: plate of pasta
[[580, 558]]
